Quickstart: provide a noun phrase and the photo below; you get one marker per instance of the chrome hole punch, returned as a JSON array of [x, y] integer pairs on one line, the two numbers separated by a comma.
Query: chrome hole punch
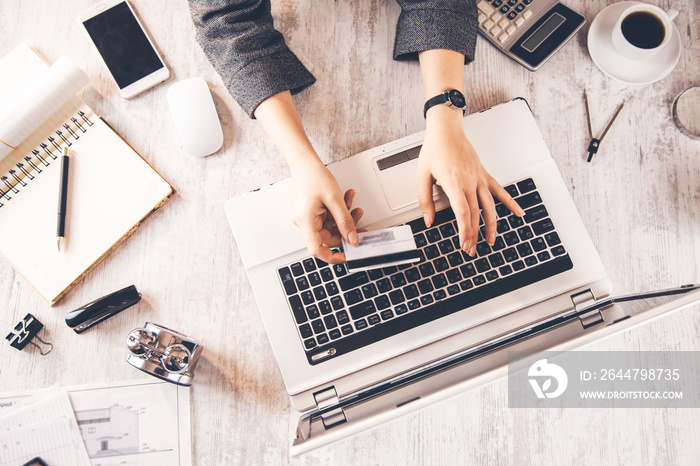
[[25, 332], [163, 353]]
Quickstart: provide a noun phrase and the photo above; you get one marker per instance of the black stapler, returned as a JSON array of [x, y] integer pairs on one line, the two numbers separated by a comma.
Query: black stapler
[[93, 313]]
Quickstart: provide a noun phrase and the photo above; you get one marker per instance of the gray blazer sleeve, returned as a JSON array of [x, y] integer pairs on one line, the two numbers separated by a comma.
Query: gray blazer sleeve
[[250, 55], [436, 24], [253, 60]]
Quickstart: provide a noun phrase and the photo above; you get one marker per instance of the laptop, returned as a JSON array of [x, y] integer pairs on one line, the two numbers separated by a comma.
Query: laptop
[[357, 349]]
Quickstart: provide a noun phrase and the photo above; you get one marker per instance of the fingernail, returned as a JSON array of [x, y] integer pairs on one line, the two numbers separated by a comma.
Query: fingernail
[[521, 212], [466, 245], [491, 239], [352, 236], [472, 251], [426, 219]]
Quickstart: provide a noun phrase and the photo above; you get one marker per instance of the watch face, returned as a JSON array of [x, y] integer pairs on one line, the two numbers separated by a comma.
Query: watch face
[[457, 99]]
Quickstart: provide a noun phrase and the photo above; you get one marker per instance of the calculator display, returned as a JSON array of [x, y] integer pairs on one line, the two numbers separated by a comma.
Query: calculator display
[[544, 31]]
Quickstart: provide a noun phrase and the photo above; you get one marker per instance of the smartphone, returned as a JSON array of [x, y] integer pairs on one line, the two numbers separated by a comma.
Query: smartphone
[[124, 47]]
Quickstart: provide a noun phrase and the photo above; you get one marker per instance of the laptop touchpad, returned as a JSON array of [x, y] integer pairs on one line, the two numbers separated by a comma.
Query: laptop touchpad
[[397, 177]]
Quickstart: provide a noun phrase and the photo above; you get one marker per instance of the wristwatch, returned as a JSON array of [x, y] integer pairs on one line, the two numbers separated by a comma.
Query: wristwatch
[[452, 98]]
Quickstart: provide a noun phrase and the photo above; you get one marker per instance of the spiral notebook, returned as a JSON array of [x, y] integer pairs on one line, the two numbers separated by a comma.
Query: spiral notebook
[[112, 189]]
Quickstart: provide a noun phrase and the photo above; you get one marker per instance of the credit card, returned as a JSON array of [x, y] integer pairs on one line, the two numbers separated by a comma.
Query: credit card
[[382, 248]]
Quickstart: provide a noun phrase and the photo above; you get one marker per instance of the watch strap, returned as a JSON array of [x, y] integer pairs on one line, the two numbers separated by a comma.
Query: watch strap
[[444, 98]]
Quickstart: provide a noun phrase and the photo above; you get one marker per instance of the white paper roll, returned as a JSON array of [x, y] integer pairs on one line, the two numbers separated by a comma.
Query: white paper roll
[[38, 102]]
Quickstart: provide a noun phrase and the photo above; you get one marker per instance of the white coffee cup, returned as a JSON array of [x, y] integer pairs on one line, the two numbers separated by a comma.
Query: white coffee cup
[[643, 31]]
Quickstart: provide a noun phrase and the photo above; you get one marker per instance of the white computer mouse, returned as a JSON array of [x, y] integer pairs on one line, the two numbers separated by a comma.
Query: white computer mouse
[[195, 117]]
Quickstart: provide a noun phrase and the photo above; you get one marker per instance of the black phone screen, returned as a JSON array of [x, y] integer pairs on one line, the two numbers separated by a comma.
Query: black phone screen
[[123, 44]]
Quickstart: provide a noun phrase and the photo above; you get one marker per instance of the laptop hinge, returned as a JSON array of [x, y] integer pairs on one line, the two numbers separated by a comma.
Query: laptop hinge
[[325, 401], [585, 300]]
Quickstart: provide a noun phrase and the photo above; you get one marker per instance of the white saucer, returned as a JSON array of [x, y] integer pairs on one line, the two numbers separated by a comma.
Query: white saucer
[[623, 69]]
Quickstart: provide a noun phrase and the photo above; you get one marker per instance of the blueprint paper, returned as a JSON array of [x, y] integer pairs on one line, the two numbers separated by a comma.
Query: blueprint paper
[[41, 426], [137, 423]]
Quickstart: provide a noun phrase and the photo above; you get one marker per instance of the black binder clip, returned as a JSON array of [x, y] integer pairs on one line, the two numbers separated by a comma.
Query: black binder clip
[[25, 331], [36, 462]]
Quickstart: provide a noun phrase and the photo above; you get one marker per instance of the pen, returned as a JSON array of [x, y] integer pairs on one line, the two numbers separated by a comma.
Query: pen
[[62, 198]]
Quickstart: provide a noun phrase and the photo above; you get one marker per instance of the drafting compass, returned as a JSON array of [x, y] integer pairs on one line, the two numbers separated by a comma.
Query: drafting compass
[[595, 142]]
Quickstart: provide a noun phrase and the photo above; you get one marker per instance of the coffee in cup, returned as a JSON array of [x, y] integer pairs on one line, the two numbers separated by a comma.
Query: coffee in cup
[[642, 31]]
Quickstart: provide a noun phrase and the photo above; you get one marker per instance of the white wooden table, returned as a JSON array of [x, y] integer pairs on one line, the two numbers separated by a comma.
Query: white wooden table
[[639, 199]]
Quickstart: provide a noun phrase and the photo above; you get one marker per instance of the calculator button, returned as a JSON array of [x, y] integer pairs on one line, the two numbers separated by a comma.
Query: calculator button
[[488, 24], [503, 37], [510, 30], [485, 7], [512, 2], [503, 23], [504, 9], [519, 22], [495, 31], [482, 17], [496, 17], [526, 14]]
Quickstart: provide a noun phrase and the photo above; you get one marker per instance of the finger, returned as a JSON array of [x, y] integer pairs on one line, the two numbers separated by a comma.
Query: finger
[[425, 197], [314, 242], [331, 239], [349, 197], [488, 210], [501, 194], [323, 251], [343, 220], [329, 233], [474, 218], [356, 215], [460, 207], [327, 255], [329, 228], [336, 257]]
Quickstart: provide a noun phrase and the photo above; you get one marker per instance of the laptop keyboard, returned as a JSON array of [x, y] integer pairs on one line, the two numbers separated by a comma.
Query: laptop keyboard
[[337, 312]]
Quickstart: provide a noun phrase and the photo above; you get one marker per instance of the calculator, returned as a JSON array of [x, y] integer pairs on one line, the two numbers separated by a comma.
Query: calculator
[[528, 31]]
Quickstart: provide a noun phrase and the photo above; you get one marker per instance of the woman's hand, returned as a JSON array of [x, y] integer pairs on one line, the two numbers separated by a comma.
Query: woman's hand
[[448, 159], [322, 212], [319, 208]]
